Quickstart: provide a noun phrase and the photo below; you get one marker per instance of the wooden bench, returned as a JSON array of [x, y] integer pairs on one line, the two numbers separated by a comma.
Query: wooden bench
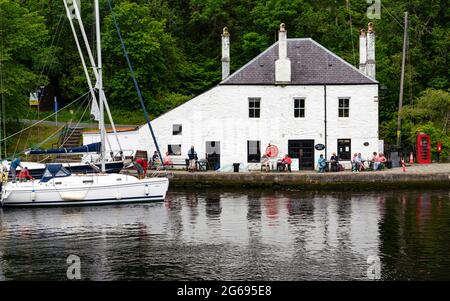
[[176, 162]]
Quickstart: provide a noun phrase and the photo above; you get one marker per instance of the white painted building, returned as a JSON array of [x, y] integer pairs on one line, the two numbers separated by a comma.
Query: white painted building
[[295, 95]]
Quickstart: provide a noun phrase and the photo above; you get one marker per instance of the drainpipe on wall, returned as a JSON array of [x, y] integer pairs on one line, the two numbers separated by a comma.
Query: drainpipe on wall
[[325, 119]]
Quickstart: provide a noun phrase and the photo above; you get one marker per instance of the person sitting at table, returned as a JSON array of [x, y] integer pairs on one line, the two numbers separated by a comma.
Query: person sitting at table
[[265, 163], [373, 160], [287, 161], [354, 164], [168, 160], [322, 163], [360, 162], [334, 161], [381, 159]]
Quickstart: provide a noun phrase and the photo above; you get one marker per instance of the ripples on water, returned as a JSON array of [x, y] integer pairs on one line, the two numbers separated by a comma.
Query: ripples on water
[[242, 235]]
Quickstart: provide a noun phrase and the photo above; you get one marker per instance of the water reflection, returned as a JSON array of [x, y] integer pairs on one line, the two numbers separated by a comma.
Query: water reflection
[[256, 235]]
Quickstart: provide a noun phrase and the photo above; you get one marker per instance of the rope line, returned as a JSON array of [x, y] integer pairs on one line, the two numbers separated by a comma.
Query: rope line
[[136, 85], [42, 120]]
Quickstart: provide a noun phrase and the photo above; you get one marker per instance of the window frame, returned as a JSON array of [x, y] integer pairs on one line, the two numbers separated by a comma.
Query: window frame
[[255, 110], [170, 151], [343, 108], [300, 109], [258, 152], [180, 130]]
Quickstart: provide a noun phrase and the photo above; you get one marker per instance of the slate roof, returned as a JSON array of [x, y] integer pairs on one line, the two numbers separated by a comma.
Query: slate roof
[[311, 63]]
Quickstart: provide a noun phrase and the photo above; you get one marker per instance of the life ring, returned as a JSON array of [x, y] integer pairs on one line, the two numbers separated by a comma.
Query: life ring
[[272, 151]]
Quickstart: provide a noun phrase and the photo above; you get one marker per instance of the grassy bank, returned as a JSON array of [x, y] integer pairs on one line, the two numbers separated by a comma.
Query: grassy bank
[[74, 115], [32, 138]]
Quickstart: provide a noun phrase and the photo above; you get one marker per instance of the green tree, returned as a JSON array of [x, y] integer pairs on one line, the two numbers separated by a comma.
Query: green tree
[[24, 53]]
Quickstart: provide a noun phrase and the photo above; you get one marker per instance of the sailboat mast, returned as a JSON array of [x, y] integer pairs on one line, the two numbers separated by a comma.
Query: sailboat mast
[[100, 85]]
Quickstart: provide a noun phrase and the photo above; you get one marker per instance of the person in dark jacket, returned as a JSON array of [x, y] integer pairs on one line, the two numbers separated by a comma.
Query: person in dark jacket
[[192, 155], [334, 161]]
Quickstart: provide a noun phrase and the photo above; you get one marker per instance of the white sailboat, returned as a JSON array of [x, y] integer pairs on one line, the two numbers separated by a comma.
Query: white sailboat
[[58, 186]]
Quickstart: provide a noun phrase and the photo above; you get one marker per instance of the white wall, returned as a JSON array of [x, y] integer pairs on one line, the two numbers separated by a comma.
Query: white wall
[[221, 114]]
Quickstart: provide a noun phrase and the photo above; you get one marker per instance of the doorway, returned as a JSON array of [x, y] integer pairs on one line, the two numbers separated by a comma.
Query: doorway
[[303, 150], [213, 154]]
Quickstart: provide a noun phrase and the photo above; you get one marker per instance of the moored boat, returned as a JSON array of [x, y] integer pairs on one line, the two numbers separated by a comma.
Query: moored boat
[[59, 187]]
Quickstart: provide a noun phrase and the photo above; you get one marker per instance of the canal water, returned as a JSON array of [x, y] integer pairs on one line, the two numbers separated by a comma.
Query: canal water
[[235, 235]]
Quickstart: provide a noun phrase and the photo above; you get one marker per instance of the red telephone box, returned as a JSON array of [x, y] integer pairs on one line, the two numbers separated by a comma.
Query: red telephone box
[[423, 149]]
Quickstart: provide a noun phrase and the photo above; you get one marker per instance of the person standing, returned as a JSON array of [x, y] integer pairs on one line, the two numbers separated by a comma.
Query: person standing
[[192, 155], [14, 164], [139, 164]]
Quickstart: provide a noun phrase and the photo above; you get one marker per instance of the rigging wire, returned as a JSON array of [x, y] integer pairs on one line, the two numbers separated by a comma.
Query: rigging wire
[[18, 140], [79, 120], [55, 134], [136, 85], [2, 113], [46, 61], [399, 23], [42, 120]]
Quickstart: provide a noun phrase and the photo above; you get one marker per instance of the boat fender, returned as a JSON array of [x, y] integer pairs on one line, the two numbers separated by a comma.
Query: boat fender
[[146, 189], [33, 195], [118, 196]]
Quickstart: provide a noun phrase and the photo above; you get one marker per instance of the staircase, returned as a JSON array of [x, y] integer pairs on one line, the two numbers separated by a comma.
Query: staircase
[[71, 138]]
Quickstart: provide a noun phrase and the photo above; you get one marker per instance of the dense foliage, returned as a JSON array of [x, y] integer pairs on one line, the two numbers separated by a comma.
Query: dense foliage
[[175, 46]]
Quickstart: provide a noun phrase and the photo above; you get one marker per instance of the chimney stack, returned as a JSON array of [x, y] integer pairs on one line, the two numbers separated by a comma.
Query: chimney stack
[[225, 53], [283, 64], [370, 63], [362, 51]]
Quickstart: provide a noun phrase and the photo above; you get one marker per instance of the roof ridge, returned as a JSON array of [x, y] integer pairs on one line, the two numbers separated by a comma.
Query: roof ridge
[[342, 60], [249, 74], [249, 63]]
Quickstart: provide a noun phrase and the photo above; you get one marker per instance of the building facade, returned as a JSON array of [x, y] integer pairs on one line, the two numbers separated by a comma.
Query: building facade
[[295, 95]]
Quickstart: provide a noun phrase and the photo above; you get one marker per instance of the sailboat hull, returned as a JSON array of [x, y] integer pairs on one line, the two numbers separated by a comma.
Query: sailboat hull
[[85, 190]]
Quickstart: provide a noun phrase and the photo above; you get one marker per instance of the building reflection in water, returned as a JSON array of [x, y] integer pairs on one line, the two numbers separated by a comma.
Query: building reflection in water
[[260, 235]]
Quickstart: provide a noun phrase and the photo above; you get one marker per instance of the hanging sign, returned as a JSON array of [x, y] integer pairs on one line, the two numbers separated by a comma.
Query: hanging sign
[[319, 147], [34, 100]]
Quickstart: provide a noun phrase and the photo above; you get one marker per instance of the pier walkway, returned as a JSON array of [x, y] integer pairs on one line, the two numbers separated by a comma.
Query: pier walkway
[[416, 176]]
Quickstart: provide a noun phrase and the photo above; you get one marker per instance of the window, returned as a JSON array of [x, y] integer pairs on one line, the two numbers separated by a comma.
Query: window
[[344, 107], [176, 129], [174, 149], [253, 151], [254, 107], [344, 149], [299, 107]]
